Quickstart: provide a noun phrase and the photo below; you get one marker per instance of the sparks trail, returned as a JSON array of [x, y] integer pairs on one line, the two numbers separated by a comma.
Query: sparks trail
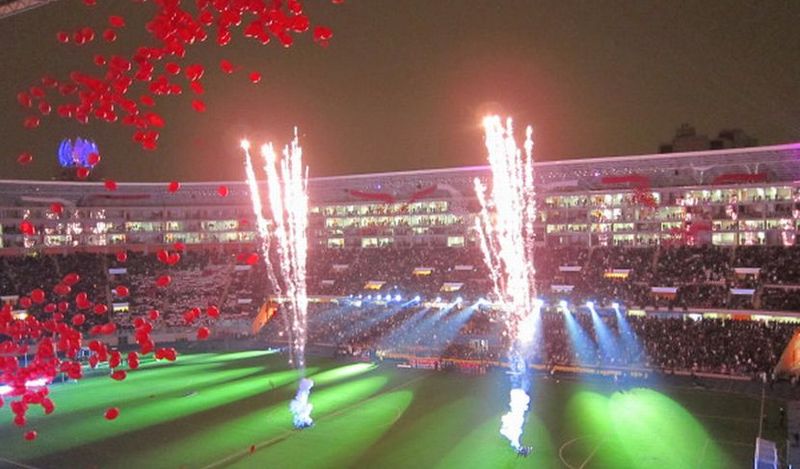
[[505, 228], [287, 186]]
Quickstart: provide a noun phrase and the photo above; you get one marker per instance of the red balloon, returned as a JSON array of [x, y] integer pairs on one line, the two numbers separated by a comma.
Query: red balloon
[[57, 208], [78, 320], [153, 314], [222, 191], [199, 105], [212, 311], [110, 35], [252, 259], [24, 302], [48, 406], [71, 279], [121, 291], [173, 186], [116, 21], [163, 256], [93, 159], [173, 258], [112, 413], [119, 375], [322, 35], [197, 87], [24, 99], [25, 158], [111, 185], [133, 360], [37, 296], [115, 359], [189, 316], [82, 173], [31, 122], [226, 66], [62, 37], [122, 256], [172, 68], [100, 308], [155, 119], [27, 228], [87, 34], [82, 300], [31, 435], [19, 420], [203, 333], [163, 281], [255, 77], [300, 23], [179, 246], [194, 72], [45, 108]]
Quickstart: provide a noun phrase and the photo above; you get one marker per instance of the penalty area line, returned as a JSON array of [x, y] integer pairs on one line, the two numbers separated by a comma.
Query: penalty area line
[[288, 433], [591, 455], [568, 443], [17, 464], [703, 453]]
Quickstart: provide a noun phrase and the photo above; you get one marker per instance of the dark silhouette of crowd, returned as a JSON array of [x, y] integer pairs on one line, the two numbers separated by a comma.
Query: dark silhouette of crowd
[[665, 281]]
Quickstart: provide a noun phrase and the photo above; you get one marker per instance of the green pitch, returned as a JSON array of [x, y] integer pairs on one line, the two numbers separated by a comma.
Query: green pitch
[[208, 410]]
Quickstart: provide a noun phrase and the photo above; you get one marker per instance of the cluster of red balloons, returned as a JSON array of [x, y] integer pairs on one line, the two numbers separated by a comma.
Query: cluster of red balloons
[[52, 331], [106, 95], [53, 325]]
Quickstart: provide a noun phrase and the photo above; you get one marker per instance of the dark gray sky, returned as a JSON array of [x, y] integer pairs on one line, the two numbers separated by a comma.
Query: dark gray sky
[[404, 83]]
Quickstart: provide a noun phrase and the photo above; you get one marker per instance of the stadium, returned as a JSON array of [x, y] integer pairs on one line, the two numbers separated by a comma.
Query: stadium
[[295, 234], [668, 285]]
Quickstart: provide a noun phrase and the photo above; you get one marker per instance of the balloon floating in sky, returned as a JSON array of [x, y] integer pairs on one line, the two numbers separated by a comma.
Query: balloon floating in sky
[[156, 64]]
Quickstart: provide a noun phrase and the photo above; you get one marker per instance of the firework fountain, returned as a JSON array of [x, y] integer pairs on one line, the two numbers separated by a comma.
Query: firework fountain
[[287, 185], [505, 225]]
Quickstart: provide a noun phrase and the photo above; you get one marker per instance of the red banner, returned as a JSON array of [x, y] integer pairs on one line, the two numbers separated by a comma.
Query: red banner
[[736, 178], [379, 196]]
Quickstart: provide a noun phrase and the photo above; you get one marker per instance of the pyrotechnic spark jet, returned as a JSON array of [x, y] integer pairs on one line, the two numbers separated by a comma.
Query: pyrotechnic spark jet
[[287, 186], [261, 222], [505, 225]]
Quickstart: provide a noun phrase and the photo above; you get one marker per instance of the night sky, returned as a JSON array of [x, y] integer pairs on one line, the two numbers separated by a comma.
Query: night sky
[[404, 83]]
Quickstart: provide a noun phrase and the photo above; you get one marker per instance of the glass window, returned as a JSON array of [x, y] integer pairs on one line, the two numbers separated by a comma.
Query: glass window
[[455, 241]]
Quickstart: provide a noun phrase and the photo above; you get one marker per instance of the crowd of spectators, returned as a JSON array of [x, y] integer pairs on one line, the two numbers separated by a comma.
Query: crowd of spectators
[[665, 342], [686, 277]]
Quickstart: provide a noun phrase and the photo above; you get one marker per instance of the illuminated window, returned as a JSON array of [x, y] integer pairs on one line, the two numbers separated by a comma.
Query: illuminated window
[[455, 241]]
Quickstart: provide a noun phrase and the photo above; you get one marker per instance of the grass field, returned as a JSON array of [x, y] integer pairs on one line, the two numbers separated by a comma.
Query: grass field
[[206, 410]]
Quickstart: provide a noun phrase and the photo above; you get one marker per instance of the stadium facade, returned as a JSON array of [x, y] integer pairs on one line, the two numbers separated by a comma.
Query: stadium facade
[[730, 197]]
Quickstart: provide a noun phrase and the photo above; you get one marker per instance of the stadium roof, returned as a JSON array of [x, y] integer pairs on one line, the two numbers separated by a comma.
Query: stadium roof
[[779, 163], [13, 7]]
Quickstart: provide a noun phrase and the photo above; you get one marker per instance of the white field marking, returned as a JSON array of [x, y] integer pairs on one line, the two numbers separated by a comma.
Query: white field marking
[[564, 446], [18, 464], [591, 455], [703, 453]]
